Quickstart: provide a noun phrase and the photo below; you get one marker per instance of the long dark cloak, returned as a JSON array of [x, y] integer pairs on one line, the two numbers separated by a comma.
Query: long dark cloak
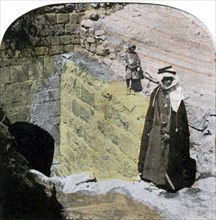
[[173, 158]]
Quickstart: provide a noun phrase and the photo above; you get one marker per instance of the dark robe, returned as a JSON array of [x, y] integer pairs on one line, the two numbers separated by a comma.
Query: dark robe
[[166, 163]]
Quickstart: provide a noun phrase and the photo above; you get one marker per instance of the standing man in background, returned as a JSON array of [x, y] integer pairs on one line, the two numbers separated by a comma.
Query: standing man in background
[[132, 67]]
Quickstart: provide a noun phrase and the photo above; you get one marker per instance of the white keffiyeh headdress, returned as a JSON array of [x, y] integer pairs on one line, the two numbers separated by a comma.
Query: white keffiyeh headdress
[[175, 91]]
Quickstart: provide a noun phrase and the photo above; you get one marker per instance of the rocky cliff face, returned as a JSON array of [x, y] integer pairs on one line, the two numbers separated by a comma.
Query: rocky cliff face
[[22, 195], [100, 127]]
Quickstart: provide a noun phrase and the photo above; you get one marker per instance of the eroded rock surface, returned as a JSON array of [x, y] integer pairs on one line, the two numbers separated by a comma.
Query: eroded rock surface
[[100, 126], [22, 196], [86, 199]]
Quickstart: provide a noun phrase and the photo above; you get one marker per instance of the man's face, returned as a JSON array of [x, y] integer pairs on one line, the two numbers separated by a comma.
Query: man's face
[[132, 49], [167, 81]]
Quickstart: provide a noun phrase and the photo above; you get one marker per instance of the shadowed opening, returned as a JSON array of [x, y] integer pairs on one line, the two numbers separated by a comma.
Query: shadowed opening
[[35, 144]]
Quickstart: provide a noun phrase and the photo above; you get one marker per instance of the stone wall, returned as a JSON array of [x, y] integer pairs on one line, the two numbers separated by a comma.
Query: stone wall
[[27, 53], [28, 65], [44, 31], [100, 127], [56, 29], [30, 92]]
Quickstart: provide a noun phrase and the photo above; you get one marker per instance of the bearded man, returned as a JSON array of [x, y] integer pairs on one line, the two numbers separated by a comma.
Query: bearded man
[[164, 152]]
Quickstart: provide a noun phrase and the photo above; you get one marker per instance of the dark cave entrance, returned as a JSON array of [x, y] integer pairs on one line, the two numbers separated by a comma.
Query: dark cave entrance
[[35, 144]]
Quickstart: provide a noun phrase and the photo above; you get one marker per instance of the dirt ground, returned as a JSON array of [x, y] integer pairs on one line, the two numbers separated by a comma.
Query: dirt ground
[[111, 206]]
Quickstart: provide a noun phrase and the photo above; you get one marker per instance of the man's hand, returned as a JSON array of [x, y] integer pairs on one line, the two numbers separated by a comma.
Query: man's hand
[[165, 137]]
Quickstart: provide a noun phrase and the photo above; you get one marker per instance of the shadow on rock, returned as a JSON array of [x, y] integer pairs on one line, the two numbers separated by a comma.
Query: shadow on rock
[[21, 195]]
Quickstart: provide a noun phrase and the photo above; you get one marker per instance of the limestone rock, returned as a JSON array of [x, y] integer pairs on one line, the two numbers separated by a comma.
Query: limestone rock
[[90, 40], [198, 119], [94, 17], [205, 156], [101, 38], [95, 5], [43, 180], [71, 182], [112, 56], [88, 23], [100, 50], [87, 45], [100, 32], [92, 48], [91, 32], [195, 202]]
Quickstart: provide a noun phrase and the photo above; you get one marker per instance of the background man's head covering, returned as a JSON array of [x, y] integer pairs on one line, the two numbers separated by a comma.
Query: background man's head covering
[[130, 45], [175, 91]]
